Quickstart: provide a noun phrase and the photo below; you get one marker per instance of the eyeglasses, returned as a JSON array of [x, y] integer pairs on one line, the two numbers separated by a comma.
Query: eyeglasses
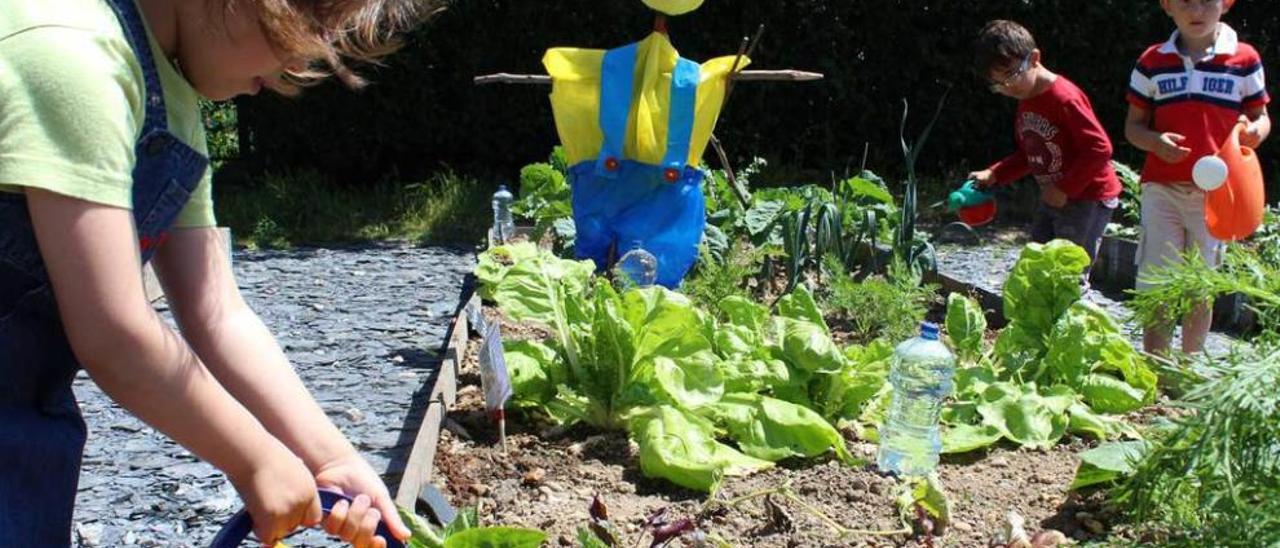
[[1023, 67]]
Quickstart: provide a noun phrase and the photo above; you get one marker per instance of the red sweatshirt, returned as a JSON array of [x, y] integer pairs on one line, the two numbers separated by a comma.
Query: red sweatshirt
[[1060, 142]]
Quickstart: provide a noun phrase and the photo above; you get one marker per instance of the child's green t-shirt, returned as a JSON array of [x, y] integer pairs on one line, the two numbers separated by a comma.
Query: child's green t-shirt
[[71, 105]]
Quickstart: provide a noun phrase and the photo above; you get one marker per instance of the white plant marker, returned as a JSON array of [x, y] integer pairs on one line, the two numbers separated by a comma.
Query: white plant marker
[[495, 380], [1209, 173]]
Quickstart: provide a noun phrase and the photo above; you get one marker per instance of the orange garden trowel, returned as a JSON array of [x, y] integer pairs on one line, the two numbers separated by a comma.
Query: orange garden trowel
[[974, 206]]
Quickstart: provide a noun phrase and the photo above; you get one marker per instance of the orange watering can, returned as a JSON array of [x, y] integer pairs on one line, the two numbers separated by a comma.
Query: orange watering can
[[1234, 193]]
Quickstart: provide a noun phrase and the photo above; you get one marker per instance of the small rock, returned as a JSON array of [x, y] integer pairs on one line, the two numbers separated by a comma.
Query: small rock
[[877, 488], [479, 489], [553, 486], [626, 488], [1081, 516], [1048, 538], [397, 359], [859, 484], [546, 491], [354, 415], [574, 450], [565, 540], [130, 538], [999, 462], [319, 307], [1094, 526], [89, 533], [535, 476], [1042, 478], [962, 526]]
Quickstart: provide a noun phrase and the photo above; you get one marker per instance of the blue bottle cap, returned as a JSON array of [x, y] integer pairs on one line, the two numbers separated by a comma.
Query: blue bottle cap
[[929, 331]]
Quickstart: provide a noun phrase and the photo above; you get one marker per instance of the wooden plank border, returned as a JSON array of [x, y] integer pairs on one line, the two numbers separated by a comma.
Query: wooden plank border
[[444, 393]]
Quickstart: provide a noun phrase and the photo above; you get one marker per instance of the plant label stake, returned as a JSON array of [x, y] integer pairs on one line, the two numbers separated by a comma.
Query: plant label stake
[[495, 380], [475, 317]]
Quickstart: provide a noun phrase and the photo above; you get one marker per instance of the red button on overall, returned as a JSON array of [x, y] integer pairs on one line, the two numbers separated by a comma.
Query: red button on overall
[[671, 174], [611, 164]]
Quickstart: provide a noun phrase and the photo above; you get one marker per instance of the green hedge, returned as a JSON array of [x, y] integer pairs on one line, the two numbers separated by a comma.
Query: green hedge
[[423, 111]]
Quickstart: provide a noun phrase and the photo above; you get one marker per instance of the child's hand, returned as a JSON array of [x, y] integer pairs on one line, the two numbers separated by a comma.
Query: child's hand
[[279, 494], [1170, 148], [983, 178], [355, 523], [1252, 134], [1053, 196]]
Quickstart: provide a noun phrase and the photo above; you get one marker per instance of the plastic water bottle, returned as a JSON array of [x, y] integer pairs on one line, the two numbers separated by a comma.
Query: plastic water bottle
[[504, 227], [921, 376], [636, 268]]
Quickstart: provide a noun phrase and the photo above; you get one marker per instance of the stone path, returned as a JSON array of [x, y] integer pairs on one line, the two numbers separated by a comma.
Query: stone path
[[361, 325]]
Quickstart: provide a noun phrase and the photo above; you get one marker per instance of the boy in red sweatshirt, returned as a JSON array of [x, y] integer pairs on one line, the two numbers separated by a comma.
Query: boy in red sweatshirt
[[1060, 141]]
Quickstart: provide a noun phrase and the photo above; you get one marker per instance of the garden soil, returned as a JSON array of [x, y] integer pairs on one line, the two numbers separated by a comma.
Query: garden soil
[[545, 478]]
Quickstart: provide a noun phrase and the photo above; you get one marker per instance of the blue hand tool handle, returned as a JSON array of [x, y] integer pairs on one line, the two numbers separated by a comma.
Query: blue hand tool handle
[[240, 525]]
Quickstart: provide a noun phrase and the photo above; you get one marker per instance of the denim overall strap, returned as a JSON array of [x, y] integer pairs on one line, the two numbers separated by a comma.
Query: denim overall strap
[[617, 81], [166, 171]]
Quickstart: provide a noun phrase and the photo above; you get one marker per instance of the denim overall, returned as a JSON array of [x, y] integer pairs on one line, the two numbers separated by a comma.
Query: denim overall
[[621, 203], [42, 434]]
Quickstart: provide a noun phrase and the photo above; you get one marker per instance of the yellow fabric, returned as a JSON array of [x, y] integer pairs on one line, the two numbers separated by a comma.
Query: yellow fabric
[[673, 7], [575, 100], [71, 105]]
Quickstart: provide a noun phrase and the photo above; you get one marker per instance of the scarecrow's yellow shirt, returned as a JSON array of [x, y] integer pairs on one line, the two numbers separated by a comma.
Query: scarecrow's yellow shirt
[[575, 99]]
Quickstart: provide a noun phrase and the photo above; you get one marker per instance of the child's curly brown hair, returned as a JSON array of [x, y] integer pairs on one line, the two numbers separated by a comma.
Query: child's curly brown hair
[[322, 36]]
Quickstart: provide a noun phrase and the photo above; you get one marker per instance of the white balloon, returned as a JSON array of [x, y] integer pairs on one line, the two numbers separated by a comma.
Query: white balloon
[[1209, 172]]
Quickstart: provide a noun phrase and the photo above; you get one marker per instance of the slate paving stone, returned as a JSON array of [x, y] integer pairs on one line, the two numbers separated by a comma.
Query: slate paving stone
[[342, 316]]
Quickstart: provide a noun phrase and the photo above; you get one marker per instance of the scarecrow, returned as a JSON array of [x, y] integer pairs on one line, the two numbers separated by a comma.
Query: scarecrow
[[634, 122]]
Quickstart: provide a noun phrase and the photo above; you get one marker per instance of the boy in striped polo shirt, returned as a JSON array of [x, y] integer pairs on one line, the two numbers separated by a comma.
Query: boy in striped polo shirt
[[1185, 96]]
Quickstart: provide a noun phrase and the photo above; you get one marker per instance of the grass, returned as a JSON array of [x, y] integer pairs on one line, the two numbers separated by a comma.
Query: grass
[[304, 207]]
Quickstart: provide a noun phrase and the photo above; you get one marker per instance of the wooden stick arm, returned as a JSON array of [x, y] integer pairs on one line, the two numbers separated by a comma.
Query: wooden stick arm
[[744, 76]]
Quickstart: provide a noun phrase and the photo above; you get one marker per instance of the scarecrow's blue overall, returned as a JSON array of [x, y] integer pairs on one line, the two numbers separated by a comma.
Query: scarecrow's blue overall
[[619, 203], [42, 434]]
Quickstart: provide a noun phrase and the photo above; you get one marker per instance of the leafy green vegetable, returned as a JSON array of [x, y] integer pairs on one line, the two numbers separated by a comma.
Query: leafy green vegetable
[[493, 264], [1025, 416], [845, 393], [773, 430], [679, 446], [927, 493], [496, 537], [966, 325], [535, 371], [463, 533], [1108, 462]]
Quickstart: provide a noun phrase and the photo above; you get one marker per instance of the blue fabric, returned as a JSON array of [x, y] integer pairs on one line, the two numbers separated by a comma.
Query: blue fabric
[[639, 206], [637, 203], [42, 434], [617, 77], [684, 94]]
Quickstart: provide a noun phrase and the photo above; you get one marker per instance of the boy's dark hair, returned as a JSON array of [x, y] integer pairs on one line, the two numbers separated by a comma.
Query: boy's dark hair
[[1002, 43]]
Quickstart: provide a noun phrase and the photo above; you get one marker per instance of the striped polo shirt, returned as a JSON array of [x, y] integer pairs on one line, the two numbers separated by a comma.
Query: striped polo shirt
[[1199, 100]]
